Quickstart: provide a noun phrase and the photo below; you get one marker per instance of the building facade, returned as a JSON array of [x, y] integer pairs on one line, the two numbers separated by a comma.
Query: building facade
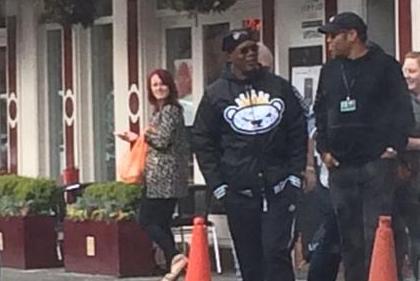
[[65, 90]]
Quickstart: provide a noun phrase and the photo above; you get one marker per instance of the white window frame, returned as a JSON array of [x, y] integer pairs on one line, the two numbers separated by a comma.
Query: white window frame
[[84, 156], [88, 141], [415, 23]]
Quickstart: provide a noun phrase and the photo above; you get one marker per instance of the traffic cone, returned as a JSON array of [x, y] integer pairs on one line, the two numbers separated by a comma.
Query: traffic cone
[[383, 265], [199, 262]]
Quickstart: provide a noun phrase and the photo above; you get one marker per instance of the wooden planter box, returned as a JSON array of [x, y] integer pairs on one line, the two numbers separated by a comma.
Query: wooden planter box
[[112, 248], [28, 242]]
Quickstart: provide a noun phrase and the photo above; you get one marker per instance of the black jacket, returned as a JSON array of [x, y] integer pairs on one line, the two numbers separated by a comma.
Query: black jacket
[[249, 134], [383, 116]]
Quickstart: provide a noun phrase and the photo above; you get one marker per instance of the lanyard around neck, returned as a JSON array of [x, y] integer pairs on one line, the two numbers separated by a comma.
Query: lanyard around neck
[[349, 86]]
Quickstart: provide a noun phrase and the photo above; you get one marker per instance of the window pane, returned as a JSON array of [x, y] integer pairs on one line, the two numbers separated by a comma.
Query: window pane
[[3, 134], [161, 5], [2, 70], [179, 63], [214, 58], [381, 22], [103, 8], [3, 112], [2, 13], [178, 41], [55, 110], [103, 102]]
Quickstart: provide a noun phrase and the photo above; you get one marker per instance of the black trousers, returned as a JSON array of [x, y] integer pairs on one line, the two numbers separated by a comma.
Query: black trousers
[[408, 204], [262, 239], [155, 216], [326, 257], [360, 194]]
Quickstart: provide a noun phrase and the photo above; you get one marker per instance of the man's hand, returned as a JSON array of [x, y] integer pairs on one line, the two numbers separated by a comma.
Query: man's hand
[[127, 136], [309, 179], [389, 153], [413, 144], [329, 160]]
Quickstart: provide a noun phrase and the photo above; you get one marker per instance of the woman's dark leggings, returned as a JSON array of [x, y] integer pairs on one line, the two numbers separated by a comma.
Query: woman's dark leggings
[[155, 216]]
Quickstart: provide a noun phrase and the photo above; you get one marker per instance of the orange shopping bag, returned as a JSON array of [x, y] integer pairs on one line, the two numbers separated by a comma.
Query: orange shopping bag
[[133, 163]]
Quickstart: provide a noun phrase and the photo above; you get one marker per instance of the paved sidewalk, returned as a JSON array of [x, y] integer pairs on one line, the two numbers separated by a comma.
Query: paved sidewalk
[[8, 274]]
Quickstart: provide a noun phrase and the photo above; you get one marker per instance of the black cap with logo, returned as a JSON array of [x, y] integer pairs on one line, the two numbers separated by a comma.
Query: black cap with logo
[[236, 37], [344, 21]]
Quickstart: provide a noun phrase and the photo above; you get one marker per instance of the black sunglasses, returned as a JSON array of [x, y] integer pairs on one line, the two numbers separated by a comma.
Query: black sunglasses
[[245, 50]]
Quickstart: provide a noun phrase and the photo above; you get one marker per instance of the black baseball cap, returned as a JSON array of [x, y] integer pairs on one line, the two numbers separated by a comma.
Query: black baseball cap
[[344, 21], [236, 37]]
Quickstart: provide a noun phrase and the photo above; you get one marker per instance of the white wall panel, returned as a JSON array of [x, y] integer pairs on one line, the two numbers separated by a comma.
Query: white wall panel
[[415, 17], [27, 78], [289, 17]]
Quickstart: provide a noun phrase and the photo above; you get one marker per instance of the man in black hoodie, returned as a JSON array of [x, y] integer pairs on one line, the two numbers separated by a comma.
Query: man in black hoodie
[[250, 138], [363, 116]]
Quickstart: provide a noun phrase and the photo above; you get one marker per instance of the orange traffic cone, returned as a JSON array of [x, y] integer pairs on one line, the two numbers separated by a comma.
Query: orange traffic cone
[[199, 262], [383, 265]]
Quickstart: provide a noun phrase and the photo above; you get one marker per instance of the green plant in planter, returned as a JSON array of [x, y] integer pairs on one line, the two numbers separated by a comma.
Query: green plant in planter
[[9, 206], [106, 201], [37, 196], [8, 202], [8, 184], [69, 12], [23, 196], [195, 6]]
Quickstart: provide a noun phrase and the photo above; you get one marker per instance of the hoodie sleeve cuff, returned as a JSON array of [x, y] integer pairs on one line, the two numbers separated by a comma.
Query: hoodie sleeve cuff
[[220, 191], [295, 181]]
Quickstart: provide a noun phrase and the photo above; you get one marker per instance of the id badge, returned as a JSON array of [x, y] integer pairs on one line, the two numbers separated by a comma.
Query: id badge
[[348, 105]]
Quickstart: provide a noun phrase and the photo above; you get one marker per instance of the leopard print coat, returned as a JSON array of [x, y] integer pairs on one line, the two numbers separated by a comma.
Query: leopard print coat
[[166, 169]]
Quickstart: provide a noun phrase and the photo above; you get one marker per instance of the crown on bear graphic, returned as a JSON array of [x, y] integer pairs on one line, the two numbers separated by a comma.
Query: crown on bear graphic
[[251, 98]]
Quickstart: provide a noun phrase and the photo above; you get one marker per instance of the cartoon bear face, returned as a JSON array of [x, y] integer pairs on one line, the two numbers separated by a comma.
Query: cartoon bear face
[[255, 119]]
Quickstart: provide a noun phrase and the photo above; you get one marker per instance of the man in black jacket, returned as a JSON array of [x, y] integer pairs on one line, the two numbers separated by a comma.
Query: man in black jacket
[[363, 116], [250, 139]]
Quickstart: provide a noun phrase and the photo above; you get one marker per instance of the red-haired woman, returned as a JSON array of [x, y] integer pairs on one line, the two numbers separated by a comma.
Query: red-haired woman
[[166, 167]]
